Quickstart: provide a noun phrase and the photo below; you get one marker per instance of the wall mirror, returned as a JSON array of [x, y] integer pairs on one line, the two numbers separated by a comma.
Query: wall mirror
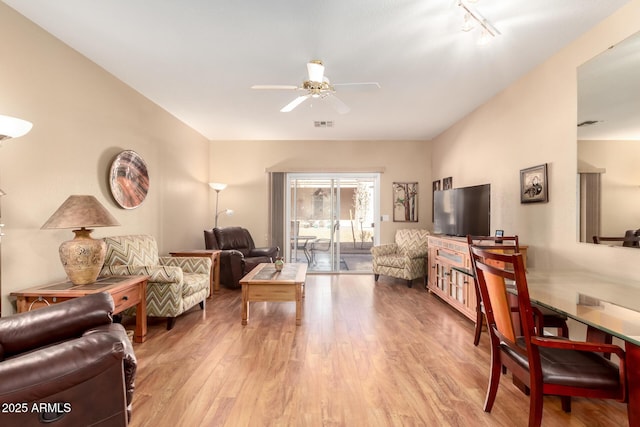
[[609, 146]]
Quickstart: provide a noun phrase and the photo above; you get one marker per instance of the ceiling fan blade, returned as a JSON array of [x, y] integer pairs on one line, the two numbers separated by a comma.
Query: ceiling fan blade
[[315, 69], [337, 104], [275, 87], [363, 86], [293, 104]]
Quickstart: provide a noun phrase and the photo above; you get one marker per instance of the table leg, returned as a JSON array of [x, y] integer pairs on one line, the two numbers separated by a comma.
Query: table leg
[[21, 304], [633, 383], [245, 303], [140, 334], [216, 272], [298, 304]]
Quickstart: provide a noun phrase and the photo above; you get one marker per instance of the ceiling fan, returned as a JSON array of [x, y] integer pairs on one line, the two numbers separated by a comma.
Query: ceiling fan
[[317, 86]]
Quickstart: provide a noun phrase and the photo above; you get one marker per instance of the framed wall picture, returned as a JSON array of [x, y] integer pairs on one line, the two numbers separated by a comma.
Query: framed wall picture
[[435, 187], [534, 186], [405, 202], [447, 183]]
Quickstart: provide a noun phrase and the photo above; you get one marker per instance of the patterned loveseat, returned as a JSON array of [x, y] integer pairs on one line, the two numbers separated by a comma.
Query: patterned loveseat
[[404, 259], [176, 283]]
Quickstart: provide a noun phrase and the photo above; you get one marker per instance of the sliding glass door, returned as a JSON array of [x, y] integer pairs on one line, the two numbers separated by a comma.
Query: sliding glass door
[[332, 220]]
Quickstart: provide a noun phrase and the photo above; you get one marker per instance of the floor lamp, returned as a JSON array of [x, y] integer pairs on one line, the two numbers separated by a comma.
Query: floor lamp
[[10, 127], [218, 187]]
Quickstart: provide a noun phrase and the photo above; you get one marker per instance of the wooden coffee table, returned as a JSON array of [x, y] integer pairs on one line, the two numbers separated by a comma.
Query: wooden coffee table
[[126, 291], [264, 283]]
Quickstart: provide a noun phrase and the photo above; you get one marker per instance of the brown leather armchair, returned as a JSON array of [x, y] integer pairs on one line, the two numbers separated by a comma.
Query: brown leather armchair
[[239, 253], [66, 364]]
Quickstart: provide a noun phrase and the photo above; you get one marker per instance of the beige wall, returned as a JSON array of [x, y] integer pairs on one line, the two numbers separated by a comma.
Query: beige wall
[[82, 118], [533, 122], [243, 165]]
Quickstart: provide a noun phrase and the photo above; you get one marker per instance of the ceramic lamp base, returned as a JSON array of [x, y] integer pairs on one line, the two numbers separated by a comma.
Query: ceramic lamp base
[[82, 257]]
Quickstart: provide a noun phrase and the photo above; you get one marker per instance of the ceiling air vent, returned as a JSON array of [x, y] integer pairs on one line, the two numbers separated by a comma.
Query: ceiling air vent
[[323, 124], [588, 123]]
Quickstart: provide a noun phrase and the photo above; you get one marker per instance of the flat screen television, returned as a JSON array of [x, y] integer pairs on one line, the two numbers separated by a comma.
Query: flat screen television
[[463, 211]]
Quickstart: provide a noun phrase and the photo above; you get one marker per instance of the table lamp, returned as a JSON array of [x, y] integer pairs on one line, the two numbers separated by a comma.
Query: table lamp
[[82, 257]]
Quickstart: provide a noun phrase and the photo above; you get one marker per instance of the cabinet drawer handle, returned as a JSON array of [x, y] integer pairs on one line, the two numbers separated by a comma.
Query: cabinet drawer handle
[[125, 298]]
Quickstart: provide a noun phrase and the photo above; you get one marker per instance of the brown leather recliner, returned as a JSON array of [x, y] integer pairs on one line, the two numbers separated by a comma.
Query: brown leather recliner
[[66, 362], [239, 253]]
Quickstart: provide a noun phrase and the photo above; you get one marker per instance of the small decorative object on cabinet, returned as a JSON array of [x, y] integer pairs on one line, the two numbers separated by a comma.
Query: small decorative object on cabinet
[[278, 264]]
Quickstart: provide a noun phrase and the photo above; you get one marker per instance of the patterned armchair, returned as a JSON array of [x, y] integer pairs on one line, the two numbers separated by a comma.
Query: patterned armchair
[[176, 283], [404, 259]]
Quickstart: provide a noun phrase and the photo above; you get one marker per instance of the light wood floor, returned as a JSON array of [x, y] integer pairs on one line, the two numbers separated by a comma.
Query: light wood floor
[[367, 354]]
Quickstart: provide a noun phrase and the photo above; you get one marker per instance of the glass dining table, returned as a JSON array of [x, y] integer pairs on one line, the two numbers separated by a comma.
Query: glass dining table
[[608, 307]]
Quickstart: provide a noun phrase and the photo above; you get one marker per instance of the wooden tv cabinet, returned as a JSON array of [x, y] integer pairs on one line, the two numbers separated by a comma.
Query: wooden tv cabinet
[[447, 262]]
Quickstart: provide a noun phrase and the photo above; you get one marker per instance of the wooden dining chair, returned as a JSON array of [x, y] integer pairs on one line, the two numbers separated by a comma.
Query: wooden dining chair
[[546, 365], [509, 244]]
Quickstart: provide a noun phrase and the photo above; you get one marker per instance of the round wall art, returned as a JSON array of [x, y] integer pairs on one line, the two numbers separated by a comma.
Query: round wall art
[[128, 179]]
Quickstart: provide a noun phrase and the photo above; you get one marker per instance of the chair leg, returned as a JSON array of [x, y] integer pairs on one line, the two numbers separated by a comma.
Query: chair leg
[[494, 379], [478, 331], [535, 407], [171, 321], [410, 283], [566, 403], [202, 305], [376, 277]]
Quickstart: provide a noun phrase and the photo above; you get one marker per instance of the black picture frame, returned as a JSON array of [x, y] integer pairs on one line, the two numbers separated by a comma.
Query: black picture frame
[[447, 183], [499, 233], [534, 184]]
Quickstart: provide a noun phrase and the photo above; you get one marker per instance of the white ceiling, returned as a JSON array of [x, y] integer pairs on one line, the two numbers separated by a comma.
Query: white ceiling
[[198, 58]]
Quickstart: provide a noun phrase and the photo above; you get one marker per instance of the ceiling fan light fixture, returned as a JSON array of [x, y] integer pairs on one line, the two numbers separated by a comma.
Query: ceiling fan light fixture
[[468, 23], [315, 70]]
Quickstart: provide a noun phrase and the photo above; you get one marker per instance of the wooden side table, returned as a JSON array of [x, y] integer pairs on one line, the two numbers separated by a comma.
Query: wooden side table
[[214, 254], [126, 291]]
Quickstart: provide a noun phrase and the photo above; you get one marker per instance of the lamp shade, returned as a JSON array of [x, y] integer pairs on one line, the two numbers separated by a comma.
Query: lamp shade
[[217, 186], [80, 211], [82, 257], [10, 127]]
